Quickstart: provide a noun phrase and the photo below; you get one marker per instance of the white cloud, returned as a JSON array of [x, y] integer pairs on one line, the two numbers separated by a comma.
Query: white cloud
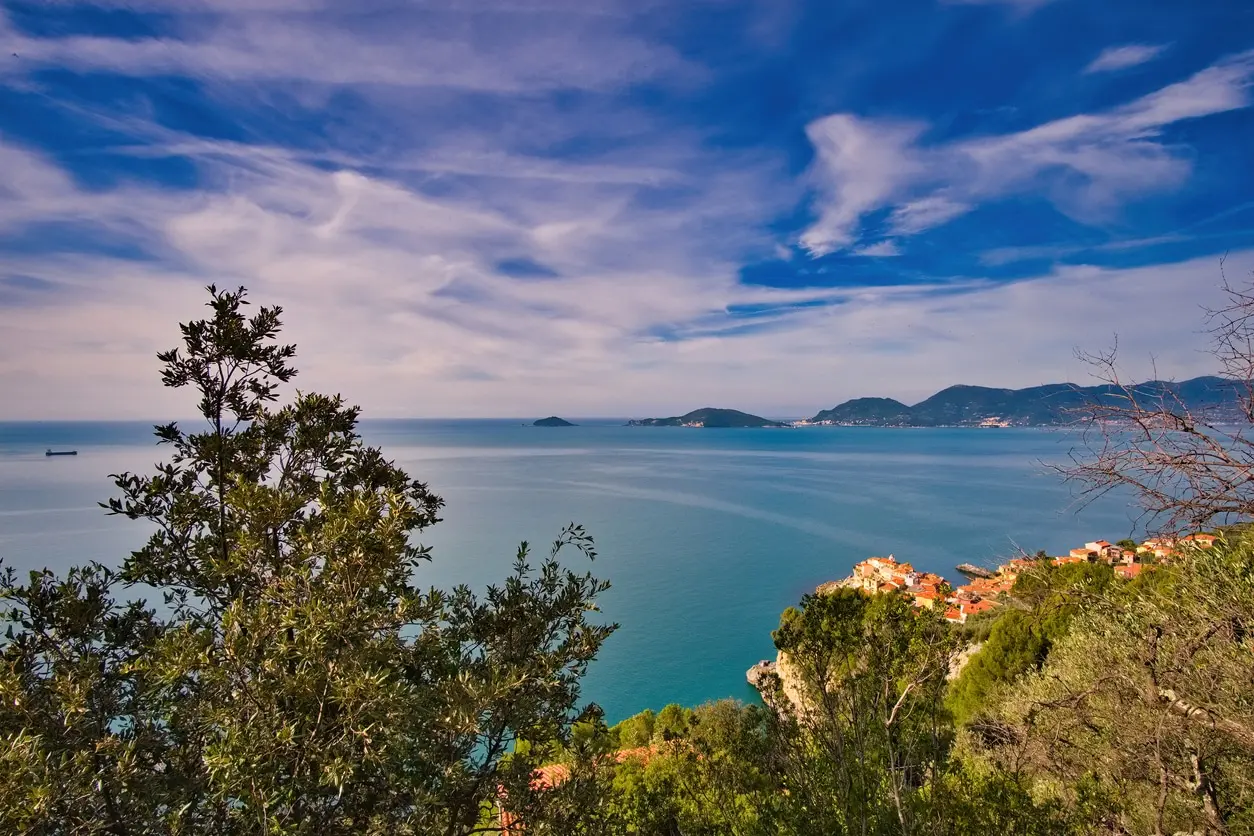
[[925, 213], [391, 299], [1009, 255], [1122, 57], [405, 281], [390, 284], [481, 47], [861, 164], [880, 249], [1088, 165]]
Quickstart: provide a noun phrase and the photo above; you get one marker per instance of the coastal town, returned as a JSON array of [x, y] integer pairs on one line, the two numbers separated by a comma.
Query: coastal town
[[985, 590], [988, 589]]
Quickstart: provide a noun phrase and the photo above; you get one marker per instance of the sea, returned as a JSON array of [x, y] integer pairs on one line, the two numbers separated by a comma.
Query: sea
[[707, 535]]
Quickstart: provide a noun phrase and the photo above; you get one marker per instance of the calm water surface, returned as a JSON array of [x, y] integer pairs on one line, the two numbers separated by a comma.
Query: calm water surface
[[706, 534]]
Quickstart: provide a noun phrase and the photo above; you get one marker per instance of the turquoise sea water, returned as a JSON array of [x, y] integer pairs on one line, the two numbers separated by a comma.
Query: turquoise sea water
[[706, 534]]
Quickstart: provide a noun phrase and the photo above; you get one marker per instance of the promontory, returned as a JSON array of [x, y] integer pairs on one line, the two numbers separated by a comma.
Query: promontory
[[709, 417]]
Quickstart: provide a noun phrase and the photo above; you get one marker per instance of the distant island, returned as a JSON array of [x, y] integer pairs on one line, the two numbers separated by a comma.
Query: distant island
[[709, 417], [1054, 404], [552, 421]]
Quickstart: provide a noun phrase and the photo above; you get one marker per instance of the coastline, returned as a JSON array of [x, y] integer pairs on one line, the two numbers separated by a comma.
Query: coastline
[[986, 591]]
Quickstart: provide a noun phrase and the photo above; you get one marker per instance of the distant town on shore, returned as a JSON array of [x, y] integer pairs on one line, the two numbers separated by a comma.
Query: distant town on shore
[[1051, 405], [986, 587]]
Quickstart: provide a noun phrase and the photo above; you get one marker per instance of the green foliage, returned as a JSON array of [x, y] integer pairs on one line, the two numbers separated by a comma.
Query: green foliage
[[1145, 705], [635, 731], [1050, 587], [710, 779], [671, 722], [1095, 707], [1127, 543], [1015, 644], [871, 727], [982, 801], [1019, 638], [297, 679], [977, 628]]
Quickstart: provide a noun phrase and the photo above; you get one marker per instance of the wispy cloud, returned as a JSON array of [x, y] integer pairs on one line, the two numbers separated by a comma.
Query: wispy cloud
[[1087, 165], [880, 249], [1122, 57], [862, 165], [294, 41], [425, 324], [925, 213], [525, 206], [1001, 256]]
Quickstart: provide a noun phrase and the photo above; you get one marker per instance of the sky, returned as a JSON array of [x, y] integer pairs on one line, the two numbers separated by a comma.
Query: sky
[[483, 208]]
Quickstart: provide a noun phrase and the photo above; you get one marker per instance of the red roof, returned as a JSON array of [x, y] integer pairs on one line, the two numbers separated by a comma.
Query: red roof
[[973, 607]]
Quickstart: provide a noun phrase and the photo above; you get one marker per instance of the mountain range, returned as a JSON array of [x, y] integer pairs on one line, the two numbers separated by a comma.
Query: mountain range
[[1050, 405], [1054, 404]]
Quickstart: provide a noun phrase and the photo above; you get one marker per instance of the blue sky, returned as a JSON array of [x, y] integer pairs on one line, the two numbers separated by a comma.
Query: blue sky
[[517, 207]]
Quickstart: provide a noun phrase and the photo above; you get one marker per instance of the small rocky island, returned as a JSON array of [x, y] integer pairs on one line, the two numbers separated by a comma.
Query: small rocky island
[[709, 417], [552, 421]]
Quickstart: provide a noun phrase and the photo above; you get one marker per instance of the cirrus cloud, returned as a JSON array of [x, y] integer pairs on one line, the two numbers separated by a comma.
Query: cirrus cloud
[[1087, 165], [1121, 57]]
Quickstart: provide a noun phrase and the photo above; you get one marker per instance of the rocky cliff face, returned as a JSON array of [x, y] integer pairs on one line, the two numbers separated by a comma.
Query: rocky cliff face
[[779, 684], [782, 688], [790, 684]]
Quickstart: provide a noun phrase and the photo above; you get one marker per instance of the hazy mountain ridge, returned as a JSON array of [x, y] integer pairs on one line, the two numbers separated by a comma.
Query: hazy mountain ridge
[[1049, 405], [708, 417]]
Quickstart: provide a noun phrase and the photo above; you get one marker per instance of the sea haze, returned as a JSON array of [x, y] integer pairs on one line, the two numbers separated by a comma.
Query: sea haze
[[706, 534]]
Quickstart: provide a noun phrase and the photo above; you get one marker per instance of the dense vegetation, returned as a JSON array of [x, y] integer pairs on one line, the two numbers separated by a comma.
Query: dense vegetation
[[296, 679], [1092, 706]]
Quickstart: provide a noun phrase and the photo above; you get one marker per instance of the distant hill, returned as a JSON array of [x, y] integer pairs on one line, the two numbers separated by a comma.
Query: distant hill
[[709, 418], [874, 412], [1050, 405], [552, 421]]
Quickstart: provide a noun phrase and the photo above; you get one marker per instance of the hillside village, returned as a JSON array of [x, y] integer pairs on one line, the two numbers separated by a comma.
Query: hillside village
[[927, 589], [981, 594]]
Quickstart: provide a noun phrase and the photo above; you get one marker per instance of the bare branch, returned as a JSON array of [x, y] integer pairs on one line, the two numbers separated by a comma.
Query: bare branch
[[1187, 457]]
